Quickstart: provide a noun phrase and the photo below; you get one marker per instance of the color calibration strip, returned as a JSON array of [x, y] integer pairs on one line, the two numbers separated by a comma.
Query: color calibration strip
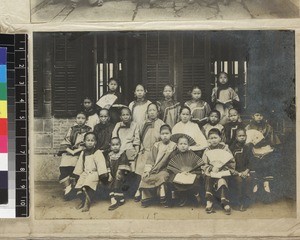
[[17, 126], [3, 128]]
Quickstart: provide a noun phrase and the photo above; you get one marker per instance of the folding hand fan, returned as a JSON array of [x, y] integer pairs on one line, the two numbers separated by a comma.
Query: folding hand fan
[[176, 136], [218, 157]]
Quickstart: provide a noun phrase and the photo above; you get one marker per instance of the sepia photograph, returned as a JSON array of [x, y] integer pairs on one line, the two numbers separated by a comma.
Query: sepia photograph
[[164, 125], [160, 10]]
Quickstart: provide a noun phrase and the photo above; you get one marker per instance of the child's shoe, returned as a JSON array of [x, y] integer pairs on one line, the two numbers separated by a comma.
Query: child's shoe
[[242, 208], [227, 209], [74, 5], [145, 203], [113, 206], [137, 198], [198, 199], [209, 207], [100, 3], [182, 202], [121, 202]]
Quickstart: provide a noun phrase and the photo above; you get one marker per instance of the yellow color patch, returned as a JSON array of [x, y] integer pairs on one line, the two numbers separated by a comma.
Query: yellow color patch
[[3, 109]]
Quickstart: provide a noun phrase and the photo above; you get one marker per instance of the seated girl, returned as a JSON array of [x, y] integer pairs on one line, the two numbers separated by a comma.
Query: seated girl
[[231, 127], [185, 171], [260, 124], [70, 149], [265, 157], [149, 135], [241, 179], [219, 165], [129, 134], [90, 110], [90, 169], [119, 167], [192, 130], [155, 175], [103, 131], [214, 122]]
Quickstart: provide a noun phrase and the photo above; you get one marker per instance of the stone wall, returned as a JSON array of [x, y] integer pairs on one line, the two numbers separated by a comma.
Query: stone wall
[[48, 134]]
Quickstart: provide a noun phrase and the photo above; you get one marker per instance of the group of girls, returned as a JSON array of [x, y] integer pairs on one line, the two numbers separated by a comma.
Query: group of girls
[[167, 152]]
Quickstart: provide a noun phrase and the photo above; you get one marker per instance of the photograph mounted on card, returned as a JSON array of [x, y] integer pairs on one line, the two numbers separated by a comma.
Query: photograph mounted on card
[[160, 10], [121, 109]]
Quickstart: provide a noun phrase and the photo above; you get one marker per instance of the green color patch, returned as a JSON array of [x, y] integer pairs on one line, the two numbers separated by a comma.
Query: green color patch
[[3, 91]]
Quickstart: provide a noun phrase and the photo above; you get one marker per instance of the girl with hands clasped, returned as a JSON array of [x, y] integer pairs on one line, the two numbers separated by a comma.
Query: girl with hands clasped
[[219, 165], [89, 170], [69, 151]]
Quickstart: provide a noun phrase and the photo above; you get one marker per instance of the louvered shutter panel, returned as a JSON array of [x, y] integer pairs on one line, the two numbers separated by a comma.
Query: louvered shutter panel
[[66, 76], [194, 65], [38, 76], [158, 64]]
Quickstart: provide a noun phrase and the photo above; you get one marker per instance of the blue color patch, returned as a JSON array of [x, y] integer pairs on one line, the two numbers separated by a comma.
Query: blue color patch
[[3, 75]]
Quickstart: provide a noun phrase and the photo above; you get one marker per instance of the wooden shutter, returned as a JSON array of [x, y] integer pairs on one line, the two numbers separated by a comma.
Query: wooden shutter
[[74, 72], [158, 63], [195, 65], [38, 75]]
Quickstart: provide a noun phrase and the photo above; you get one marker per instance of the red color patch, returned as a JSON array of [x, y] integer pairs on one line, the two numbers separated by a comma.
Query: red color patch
[[3, 127]]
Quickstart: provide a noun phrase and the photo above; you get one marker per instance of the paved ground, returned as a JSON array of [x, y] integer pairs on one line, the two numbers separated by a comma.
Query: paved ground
[[50, 205], [127, 10]]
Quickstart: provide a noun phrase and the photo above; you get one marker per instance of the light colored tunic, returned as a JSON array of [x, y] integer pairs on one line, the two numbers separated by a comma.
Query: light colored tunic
[[92, 121], [89, 168], [149, 135], [191, 129], [226, 96], [73, 138], [156, 165], [139, 111], [129, 135]]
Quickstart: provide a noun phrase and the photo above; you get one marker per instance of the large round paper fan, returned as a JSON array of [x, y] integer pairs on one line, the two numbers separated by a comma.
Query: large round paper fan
[[254, 136], [178, 164], [176, 136], [218, 157]]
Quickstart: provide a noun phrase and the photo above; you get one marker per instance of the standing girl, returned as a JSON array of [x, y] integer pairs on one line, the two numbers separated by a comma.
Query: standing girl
[[90, 169], [70, 149], [199, 108], [139, 106], [224, 97], [149, 135], [169, 108], [91, 112], [115, 104]]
